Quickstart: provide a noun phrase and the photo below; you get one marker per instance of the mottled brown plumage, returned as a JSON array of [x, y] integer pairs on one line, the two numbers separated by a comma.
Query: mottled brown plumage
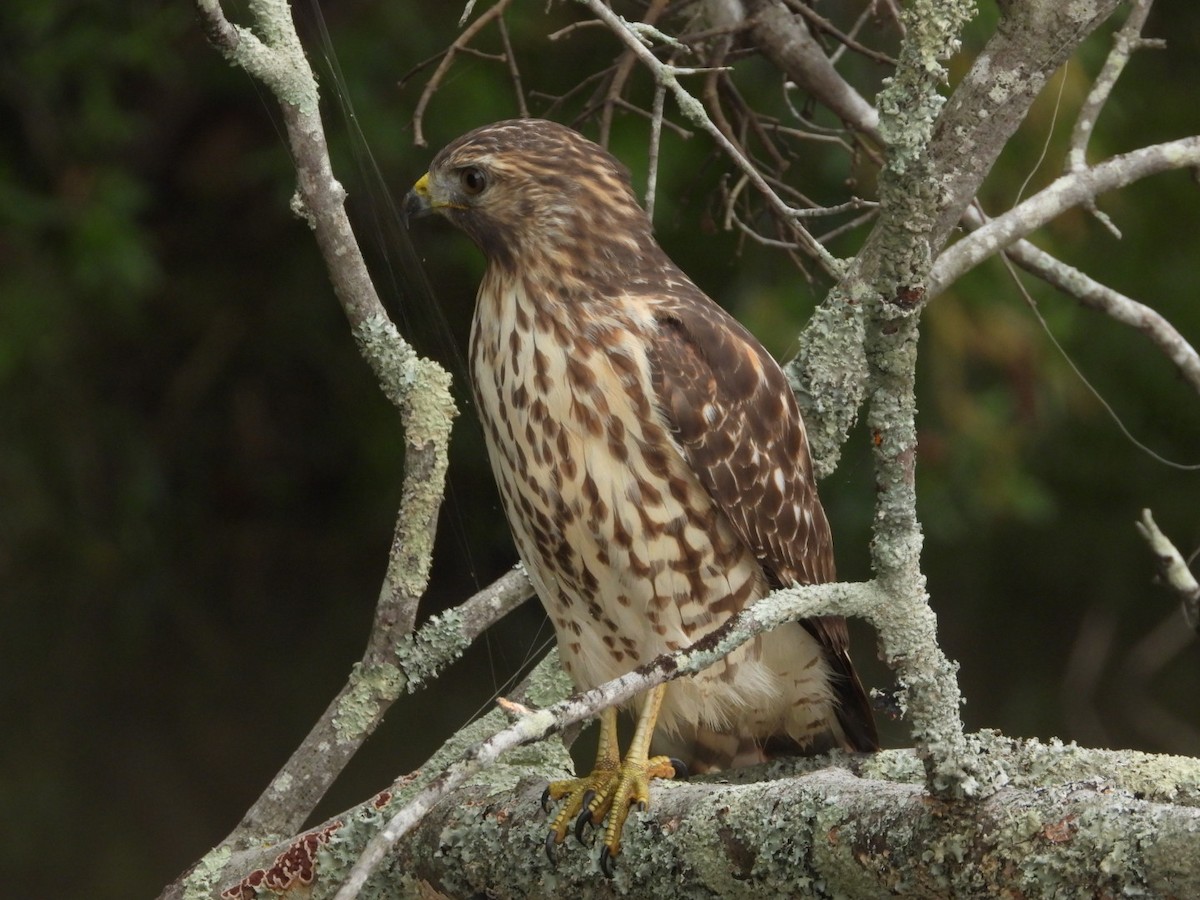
[[650, 455]]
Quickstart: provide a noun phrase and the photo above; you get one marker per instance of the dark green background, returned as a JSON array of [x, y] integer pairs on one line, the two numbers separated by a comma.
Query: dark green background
[[198, 476]]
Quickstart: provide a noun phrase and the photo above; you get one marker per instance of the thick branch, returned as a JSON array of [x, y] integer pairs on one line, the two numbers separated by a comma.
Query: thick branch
[[785, 39], [1033, 39], [860, 825], [1093, 833], [861, 600]]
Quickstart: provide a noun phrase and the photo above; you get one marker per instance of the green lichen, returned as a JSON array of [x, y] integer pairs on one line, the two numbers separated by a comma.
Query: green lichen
[[205, 880], [548, 683], [368, 687], [435, 644]]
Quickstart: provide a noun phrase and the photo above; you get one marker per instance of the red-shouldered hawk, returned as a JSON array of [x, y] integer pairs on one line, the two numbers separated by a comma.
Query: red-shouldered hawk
[[652, 463]]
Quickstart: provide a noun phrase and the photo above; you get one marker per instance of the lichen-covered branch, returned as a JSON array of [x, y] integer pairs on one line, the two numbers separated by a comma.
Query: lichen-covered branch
[[908, 109], [420, 389], [963, 137], [860, 600], [1070, 821], [1086, 823]]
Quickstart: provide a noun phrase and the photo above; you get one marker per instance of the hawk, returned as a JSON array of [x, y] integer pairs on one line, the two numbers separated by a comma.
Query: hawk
[[652, 464]]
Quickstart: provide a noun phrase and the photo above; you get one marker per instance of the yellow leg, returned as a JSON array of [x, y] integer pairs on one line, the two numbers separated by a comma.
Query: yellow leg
[[613, 786]]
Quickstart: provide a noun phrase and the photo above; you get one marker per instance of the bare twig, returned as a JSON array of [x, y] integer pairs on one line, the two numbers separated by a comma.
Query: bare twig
[[1066, 192], [621, 74], [459, 45], [514, 71], [656, 121], [846, 40], [1172, 569], [1100, 297], [1126, 40], [648, 114], [668, 76]]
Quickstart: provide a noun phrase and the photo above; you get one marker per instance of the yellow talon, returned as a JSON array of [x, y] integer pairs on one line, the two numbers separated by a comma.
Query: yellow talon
[[613, 787]]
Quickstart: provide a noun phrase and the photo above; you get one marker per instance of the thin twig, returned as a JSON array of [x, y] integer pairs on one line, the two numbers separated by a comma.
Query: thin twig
[[1172, 569], [656, 121], [1127, 39], [624, 67], [648, 114], [1102, 298], [832, 30], [555, 101], [459, 44], [668, 76], [1066, 192], [513, 71]]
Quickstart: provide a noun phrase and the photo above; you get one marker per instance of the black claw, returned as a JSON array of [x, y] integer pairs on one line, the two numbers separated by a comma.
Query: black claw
[[681, 769], [607, 862], [546, 800], [642, 806], [582, 823], [551, 848]]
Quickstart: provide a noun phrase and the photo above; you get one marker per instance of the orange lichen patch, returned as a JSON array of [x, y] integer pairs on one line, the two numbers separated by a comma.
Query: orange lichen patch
[[1061, 831], [382, 799], [297, 865]]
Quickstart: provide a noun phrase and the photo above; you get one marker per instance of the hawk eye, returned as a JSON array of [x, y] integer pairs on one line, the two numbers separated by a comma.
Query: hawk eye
[[473, 180]]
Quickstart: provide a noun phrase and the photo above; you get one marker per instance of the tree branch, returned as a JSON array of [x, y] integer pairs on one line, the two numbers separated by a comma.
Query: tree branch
[[902, 637], [1127, 39], [459, 45], [1102, 298], [968, 133], [785, 39], [668, 77], [856, 827], [1065, 193], [1173, 570], [859, 824], [418, 387]]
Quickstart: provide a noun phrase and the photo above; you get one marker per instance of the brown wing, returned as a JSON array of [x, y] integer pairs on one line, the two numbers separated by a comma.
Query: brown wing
[[733, 413]]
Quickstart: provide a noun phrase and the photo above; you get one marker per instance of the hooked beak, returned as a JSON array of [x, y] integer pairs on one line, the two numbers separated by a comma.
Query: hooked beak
[[417, 202]]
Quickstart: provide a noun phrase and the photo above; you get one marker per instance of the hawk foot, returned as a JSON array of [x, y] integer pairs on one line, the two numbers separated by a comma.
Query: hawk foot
[[609, 792]]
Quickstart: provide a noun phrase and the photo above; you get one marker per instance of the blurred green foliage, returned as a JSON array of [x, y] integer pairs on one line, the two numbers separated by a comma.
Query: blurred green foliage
[[198, 476]]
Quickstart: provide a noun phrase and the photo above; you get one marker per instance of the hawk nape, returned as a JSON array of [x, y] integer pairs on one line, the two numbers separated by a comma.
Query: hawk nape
[[652, 464]]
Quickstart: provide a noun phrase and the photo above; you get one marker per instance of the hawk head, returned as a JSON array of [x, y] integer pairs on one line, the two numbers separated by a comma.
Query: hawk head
[[532, 192]]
